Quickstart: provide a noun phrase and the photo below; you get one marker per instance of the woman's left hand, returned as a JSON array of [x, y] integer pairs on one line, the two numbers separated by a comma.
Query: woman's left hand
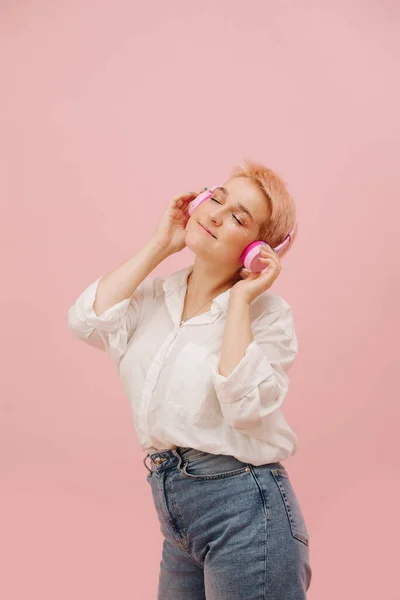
[[253, 284]]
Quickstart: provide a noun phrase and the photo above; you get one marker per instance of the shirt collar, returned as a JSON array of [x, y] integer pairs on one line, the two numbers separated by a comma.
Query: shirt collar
[[176, 283]]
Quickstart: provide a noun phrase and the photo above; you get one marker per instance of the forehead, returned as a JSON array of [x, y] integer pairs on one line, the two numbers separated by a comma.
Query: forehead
[[243, 191]]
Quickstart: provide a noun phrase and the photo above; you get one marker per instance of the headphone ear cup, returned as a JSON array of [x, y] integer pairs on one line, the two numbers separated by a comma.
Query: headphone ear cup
[[198, 200], [250, 257]]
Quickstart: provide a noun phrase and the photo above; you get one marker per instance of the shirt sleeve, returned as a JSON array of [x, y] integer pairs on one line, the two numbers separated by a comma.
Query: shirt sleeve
[[259, 383], [112, 330]]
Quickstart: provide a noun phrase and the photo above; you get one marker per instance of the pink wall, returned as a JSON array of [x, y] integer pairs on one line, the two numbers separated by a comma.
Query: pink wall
[[106, 112]]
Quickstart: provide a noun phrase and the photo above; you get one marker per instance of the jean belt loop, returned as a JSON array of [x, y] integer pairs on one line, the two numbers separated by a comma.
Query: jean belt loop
[[175, 451], [144, 462]]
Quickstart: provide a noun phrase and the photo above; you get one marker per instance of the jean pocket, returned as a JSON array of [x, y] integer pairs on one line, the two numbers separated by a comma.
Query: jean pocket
[[210, 466], [292, 506]]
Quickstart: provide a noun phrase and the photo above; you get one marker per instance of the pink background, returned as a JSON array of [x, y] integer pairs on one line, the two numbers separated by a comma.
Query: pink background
[[107, 110]]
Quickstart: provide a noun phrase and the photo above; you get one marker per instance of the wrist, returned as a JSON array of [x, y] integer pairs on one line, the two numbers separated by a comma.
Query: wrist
[[160, 250], [239, 298]]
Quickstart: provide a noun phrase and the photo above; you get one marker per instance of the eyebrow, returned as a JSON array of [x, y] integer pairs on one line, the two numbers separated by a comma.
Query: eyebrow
[[243, 208]]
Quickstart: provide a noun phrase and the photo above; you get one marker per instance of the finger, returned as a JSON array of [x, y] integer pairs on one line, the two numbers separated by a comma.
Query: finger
[[271, 254], [244, 273], [267, 260], [185, 196], [267, 250], [182, 201], [271, 264]]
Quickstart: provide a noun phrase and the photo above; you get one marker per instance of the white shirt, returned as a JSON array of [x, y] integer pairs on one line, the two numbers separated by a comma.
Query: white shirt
[[171, 376]]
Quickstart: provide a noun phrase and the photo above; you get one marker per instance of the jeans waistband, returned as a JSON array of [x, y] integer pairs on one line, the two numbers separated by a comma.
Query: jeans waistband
[[167, 458], [179, 456]]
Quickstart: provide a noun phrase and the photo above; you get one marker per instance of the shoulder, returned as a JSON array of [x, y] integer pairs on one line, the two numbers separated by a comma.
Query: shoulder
[[171, 282], [155, 286], [269, 306], [274, 323]]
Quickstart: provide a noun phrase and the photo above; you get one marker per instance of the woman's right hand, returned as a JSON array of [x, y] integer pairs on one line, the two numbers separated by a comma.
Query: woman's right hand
[[170, 233]]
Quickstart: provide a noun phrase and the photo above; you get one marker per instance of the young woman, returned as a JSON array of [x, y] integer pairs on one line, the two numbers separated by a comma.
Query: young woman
[[203, 354]]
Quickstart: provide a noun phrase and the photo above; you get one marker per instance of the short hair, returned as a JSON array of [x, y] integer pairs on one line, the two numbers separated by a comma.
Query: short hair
[[281, 204]]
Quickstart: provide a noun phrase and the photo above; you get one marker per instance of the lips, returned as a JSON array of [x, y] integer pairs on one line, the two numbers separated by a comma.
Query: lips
[[208, 231]]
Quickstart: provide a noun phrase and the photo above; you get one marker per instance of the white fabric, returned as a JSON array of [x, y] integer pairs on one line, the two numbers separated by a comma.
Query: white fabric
[[171, 377]]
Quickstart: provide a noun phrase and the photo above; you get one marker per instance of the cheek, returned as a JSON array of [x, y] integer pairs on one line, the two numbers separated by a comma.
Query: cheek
[[237, 230], [235, 238]]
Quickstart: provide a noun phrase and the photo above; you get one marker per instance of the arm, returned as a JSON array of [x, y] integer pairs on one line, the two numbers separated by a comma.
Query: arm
[[121, 283], [238, 335], [106, 314], [250, 378]]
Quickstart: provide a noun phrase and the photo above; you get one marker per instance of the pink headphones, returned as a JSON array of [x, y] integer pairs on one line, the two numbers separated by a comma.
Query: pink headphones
[[250, 256]]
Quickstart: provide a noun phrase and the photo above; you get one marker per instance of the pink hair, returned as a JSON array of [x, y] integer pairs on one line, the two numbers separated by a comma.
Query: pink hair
[[281, 205]]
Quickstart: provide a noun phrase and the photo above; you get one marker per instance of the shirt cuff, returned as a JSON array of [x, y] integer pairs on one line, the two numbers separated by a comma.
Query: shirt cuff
[[109, 320], [252, 369]]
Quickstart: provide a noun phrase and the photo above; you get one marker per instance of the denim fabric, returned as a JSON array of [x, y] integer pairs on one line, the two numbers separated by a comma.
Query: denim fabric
[[232, 531]]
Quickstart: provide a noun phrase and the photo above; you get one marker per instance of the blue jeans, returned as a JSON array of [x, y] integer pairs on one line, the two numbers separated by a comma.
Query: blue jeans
[[232, 531]]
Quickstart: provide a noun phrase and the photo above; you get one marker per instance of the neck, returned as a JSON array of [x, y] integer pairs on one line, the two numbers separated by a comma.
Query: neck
[[204, 284]]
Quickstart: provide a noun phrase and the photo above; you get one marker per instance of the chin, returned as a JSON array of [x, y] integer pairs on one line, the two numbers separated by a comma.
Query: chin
[[197, 241], [195, 246]]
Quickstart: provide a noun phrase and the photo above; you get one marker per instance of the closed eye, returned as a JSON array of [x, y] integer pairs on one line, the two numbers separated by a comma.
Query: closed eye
[[238, 220]]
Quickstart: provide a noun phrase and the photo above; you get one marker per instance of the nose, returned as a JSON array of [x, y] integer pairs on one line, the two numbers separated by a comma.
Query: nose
[[214, 217]]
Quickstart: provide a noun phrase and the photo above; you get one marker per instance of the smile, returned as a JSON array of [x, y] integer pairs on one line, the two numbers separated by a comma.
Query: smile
[[207, 231]]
